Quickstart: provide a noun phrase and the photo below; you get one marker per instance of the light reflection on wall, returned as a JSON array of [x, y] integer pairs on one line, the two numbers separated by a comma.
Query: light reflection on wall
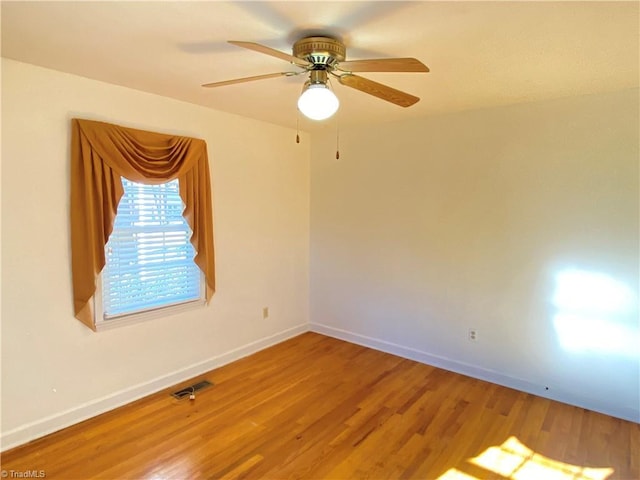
[[595, 312]]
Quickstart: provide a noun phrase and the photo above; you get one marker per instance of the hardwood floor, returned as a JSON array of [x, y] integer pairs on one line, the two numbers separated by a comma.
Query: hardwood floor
[[316, 407]]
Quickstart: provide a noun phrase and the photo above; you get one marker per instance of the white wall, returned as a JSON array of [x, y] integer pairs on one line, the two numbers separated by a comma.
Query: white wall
[[520, 222], [55, 371], [423, 230]]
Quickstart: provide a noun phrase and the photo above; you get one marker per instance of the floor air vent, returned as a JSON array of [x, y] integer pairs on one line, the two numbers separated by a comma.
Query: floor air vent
[[185, 392]]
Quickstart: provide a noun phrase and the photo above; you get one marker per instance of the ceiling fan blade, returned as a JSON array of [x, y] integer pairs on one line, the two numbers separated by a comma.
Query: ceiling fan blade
[[378, 90], [246, 79], [384, 65], [270, 51]]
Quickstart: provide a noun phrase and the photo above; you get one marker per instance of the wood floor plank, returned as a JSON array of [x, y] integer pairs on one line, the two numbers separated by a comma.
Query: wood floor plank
[[315, 407]]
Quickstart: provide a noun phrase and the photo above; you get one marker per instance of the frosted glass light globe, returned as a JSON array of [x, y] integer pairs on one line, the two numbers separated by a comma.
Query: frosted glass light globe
[[317, 102]]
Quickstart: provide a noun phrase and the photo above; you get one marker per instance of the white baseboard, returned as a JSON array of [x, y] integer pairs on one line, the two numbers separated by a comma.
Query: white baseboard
[[53, 423], [493, 376]]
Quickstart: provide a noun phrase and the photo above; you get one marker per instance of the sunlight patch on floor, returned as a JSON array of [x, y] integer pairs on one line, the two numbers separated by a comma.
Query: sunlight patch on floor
[[515, 461], [455, 474]]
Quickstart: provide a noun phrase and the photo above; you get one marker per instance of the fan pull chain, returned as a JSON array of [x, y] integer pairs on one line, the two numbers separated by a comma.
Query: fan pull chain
[[297, 126], [337, 139]]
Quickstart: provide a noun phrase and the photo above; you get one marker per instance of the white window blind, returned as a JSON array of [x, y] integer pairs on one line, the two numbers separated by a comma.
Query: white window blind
[[149, 256]]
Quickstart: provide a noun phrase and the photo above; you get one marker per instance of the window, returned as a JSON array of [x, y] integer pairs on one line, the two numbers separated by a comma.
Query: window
[[102, 154], [149, 257]]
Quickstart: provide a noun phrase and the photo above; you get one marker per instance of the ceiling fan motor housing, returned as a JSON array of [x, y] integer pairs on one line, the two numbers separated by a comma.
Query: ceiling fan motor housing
[[322, 52]]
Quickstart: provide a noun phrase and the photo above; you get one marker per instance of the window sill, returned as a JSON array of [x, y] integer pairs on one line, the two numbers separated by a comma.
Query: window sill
[[131, 319]]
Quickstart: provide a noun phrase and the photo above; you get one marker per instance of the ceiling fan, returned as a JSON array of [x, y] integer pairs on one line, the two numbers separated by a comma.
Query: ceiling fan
[[324, 56]]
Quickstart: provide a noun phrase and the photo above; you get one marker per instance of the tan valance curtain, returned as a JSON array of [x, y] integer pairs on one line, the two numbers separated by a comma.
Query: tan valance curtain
[[102, 153]]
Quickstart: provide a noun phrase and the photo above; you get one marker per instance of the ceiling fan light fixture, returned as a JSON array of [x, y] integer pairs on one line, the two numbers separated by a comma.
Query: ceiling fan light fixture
[[318, 102]]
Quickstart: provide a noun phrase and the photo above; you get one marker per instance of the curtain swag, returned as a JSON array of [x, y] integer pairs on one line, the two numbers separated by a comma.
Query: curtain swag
[[102, 153]]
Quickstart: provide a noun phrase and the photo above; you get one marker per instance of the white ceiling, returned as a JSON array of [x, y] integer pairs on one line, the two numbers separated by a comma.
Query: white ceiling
[[481, 54]]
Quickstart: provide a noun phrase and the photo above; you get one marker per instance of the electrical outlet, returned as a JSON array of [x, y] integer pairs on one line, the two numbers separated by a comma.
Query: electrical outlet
[[473, 335], [265, 312]]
